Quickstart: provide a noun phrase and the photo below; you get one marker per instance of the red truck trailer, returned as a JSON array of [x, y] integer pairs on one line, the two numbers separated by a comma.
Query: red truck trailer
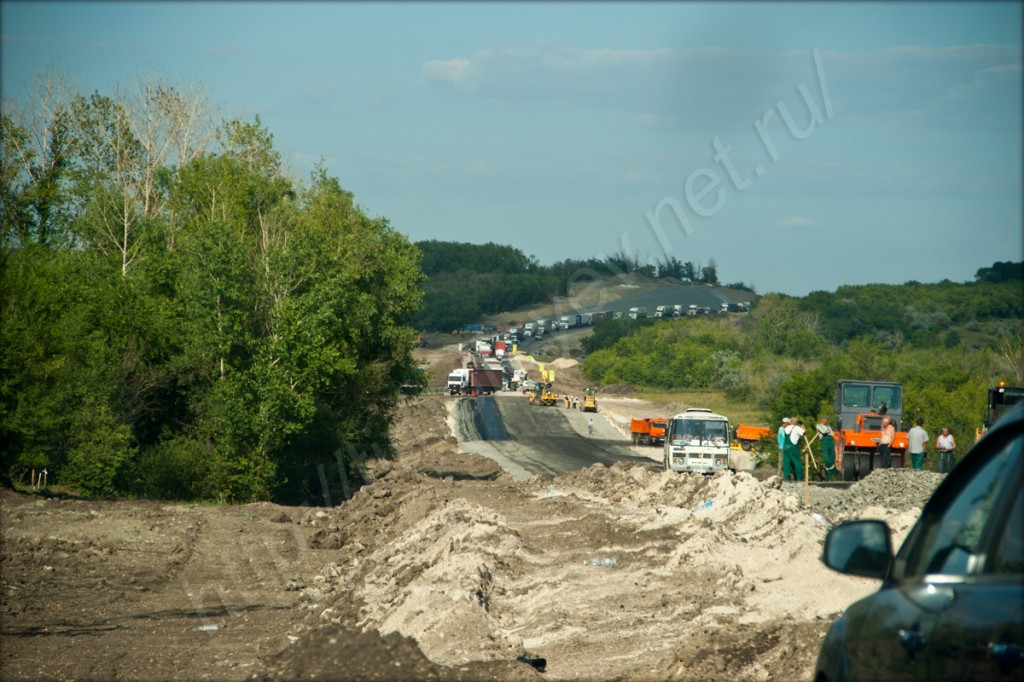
[[484, 381]]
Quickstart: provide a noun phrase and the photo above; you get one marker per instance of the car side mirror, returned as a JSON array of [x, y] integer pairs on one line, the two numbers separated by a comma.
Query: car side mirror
[[862, 548]]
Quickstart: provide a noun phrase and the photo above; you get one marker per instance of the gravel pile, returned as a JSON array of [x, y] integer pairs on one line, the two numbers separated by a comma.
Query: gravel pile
[[892, 489]]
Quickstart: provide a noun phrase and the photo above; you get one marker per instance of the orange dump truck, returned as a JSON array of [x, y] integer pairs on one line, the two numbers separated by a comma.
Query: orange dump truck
[[648, 431], [750, 436]]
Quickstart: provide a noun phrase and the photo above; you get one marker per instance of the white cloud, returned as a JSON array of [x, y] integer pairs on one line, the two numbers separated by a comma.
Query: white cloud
[[458, 72]]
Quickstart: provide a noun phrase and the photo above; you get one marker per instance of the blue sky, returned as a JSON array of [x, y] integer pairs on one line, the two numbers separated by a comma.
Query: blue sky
[[572, 130]]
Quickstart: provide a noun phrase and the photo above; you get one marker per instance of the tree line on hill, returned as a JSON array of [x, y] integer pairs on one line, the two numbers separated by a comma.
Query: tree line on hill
[[947, 342], [180, 319], [468, 281]]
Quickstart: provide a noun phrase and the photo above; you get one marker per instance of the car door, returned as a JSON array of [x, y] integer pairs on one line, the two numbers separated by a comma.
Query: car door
[[910, 628], [981, 635]]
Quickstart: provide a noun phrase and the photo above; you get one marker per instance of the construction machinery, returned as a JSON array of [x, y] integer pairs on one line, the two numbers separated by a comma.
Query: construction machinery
[[750, 437], [543, 395], [1000, 399], [648, 431], [589, 400], [860, 407]]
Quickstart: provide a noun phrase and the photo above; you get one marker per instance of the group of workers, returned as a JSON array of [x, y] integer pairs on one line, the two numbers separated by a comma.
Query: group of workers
[[792, 433]]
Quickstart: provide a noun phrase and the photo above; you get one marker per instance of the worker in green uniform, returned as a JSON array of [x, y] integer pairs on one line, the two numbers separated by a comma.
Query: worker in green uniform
[[791, 451], [828, 448]]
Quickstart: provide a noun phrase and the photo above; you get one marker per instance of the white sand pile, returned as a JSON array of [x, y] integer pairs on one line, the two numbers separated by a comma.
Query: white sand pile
[[762, 539]]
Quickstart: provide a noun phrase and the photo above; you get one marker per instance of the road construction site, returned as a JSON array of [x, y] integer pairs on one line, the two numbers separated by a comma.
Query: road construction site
[[490, 538]]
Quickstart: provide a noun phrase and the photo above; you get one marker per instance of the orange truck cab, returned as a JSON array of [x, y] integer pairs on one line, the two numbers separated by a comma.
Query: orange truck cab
[[648, 431]]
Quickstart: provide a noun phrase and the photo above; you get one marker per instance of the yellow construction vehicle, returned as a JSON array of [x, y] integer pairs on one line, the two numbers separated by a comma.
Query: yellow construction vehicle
[[543, 395], [589, 400]]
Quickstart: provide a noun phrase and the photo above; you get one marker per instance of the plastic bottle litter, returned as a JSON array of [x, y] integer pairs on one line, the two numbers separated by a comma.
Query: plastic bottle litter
[[609, 561], [213, 627], [702, 506]]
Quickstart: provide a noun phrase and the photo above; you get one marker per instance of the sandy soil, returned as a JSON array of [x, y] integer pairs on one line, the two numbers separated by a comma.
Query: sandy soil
[[444, 567]]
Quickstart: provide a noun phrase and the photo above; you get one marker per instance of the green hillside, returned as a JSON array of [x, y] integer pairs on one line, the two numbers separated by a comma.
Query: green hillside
[[466, 282], [946, 342]]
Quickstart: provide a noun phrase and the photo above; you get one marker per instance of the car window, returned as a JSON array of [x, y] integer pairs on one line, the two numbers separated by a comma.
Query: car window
[[1009, 554], [951, 532]]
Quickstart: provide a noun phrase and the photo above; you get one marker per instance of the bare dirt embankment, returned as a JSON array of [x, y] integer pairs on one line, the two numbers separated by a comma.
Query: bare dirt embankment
[[461, 567]]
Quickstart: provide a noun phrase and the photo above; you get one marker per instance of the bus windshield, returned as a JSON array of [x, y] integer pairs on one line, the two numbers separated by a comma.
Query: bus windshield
[[700, 432]]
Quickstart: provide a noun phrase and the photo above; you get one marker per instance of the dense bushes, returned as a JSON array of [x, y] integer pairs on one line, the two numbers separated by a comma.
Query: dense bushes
[[923, 314], [192, 326], [783, 356]]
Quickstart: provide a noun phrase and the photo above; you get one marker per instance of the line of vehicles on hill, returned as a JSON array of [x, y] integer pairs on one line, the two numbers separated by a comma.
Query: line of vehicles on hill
[[691, 310], [538, 328]]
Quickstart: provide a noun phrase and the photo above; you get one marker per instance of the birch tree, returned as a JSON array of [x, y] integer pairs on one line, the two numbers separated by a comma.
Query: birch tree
[[37, 147], [131, 142]]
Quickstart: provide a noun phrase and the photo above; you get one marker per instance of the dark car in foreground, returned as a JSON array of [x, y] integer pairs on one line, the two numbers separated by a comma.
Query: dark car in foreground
[[951, 604]]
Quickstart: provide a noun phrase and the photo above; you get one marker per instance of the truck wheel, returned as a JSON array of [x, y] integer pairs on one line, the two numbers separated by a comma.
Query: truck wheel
[[745, 444]]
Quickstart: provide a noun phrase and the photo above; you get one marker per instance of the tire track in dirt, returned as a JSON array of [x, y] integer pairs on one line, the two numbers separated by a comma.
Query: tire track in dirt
[[140, 590]]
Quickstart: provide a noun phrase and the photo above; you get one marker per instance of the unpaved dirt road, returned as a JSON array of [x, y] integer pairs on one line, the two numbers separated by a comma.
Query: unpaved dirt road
[[461, 566]]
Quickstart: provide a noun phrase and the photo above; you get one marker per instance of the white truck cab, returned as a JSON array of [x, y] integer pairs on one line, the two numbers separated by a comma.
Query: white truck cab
[[697, 441], [458, 381]]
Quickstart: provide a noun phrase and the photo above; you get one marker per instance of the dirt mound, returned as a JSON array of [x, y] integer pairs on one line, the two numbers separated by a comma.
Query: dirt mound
[[592, 568], [336, 653]]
